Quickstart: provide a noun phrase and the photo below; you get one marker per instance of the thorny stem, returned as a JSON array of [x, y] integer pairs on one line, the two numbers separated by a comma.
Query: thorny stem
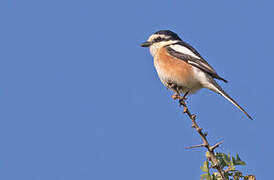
[[212, 156]]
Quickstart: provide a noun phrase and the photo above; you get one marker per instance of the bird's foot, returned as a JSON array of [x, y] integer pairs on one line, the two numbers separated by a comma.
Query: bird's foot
[[175, 96], [182, 101], [180, 98], [171, 85]]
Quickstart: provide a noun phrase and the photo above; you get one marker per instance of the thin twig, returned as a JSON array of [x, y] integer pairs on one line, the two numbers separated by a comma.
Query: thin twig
[[195, 146], [212, 156], [216, 145]]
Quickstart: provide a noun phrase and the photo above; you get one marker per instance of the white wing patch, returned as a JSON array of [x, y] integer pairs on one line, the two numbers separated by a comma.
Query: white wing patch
[[201, 77], [184, 50], [193, 63]]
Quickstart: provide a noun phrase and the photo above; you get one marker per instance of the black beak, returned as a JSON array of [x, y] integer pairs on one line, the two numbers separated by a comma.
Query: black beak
[[146, 44]]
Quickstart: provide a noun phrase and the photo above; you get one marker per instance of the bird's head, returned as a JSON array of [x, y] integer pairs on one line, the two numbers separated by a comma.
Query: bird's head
[[159, 39]]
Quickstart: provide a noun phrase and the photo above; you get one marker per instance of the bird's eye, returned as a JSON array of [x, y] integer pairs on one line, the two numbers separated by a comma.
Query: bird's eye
[[158, 39]]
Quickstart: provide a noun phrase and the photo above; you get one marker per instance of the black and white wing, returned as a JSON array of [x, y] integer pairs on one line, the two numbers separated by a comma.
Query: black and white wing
[[187, 53]]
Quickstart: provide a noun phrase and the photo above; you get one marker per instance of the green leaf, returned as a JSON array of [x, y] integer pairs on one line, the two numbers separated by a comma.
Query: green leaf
[[206, 176], [207, 154], [249, 177], [205, 167], [216, 176], [226, 159], [220, 159], [233, 160], [238, 157], [238, 160], [232, 168]]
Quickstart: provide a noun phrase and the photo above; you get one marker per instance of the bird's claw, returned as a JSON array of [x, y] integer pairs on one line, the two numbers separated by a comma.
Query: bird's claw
[[175, 96]]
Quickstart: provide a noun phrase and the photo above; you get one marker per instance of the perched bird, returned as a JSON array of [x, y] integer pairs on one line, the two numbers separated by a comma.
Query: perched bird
[[181, 68]]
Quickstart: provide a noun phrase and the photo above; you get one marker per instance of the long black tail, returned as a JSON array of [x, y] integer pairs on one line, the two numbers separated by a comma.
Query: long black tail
[[219, 90]]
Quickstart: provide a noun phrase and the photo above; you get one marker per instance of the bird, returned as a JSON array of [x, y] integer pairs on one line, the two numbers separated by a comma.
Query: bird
[[181, 68]]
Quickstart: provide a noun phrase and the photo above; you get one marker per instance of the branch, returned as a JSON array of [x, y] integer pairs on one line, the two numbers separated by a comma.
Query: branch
[[212, 157]]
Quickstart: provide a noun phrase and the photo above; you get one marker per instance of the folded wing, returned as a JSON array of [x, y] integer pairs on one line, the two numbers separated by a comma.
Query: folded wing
[[187, 53]]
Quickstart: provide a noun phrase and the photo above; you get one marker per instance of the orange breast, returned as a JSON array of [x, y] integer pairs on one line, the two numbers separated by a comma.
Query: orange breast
[[173, 69]]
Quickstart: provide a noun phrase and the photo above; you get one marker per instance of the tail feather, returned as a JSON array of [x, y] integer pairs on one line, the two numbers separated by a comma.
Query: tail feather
[[219, 90]]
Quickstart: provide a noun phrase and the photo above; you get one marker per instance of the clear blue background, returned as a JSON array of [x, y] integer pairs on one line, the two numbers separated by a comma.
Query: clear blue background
[[80, 99]]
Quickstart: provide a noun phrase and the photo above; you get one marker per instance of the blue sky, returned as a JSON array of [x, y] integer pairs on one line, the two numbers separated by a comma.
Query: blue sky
[[80, 99]]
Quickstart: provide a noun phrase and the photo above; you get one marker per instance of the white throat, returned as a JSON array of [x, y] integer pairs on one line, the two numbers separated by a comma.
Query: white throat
[[156, 46]]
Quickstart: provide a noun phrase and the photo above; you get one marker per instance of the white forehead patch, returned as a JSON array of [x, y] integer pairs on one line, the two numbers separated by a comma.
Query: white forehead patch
[[184, 50], [154, 36]]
